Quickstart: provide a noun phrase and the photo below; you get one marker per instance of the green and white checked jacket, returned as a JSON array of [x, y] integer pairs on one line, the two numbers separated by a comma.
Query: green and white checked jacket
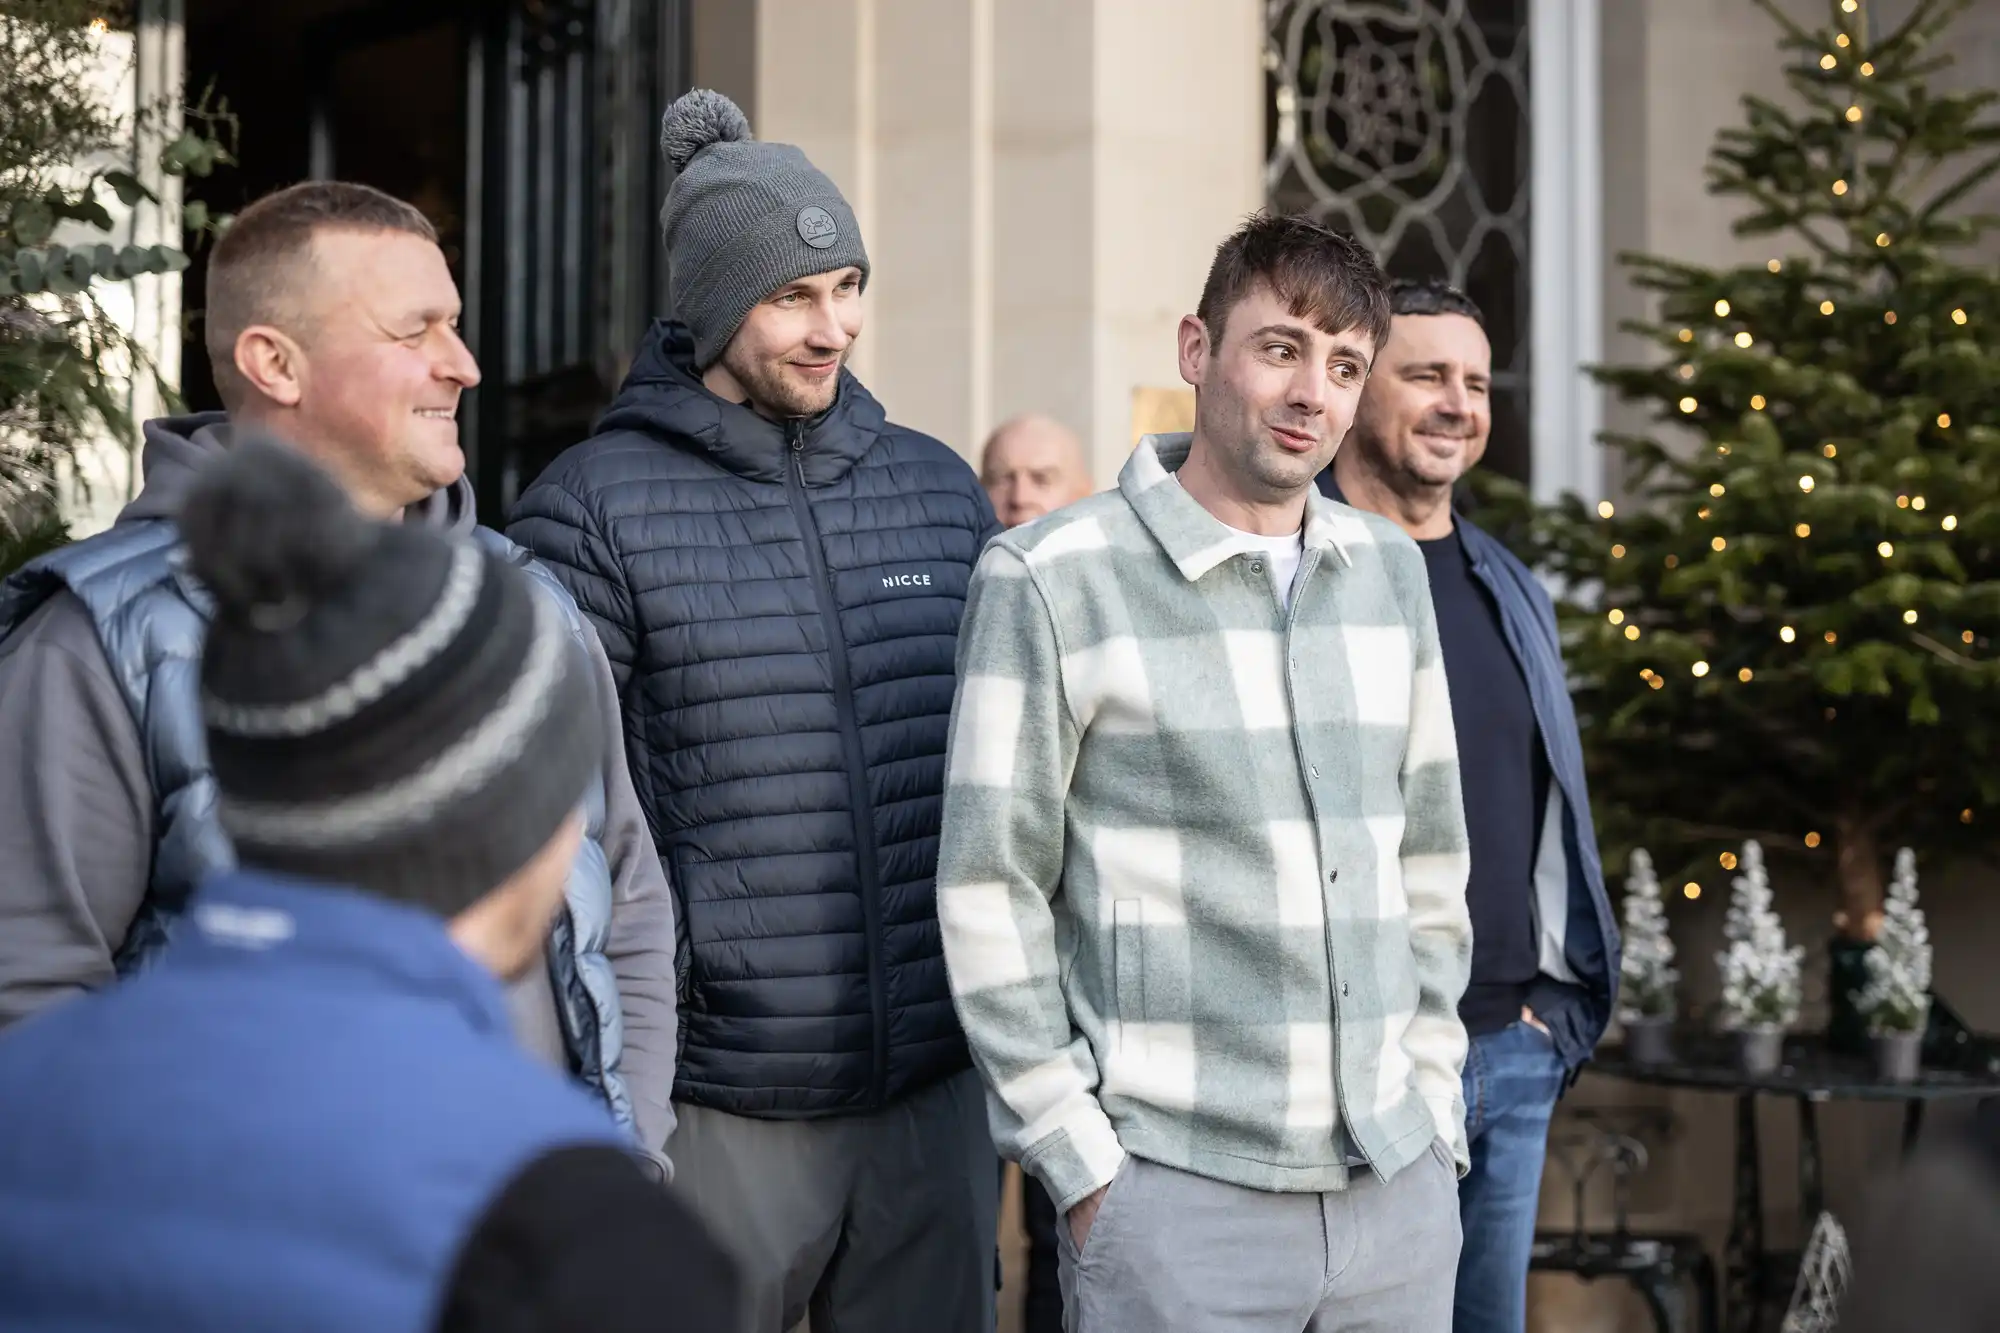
[[1202, 877]]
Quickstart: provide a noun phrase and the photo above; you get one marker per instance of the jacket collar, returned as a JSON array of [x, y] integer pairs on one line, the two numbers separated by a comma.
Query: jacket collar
[[257, 918], [1477, 541], [664, 397], [177, 448], [1196, 540]]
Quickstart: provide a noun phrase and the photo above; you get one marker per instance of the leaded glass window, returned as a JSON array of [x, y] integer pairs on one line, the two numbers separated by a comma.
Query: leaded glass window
[[1405, 123]]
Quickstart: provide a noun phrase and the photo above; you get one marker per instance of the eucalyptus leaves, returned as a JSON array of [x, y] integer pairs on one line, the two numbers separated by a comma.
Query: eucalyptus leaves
[[30, 264], [67, 364]]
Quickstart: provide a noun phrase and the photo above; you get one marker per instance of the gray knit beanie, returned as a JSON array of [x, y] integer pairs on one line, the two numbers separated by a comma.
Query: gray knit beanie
[[742, 219]]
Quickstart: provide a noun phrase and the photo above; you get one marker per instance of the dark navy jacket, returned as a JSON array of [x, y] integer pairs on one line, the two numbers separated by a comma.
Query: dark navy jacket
[[780, 604], [1574, 910], [293, 1121]]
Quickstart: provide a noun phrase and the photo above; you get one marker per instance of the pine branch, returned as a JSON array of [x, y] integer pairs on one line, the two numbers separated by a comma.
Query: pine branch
[[1926, 22], [1939, 650], [1959, 189]]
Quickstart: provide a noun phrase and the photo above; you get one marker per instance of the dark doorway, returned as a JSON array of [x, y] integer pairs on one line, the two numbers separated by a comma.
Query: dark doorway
[[523, 129], [387, 106]]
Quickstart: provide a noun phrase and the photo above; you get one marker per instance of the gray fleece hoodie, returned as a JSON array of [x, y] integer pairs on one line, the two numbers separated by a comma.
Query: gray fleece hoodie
[[77, 814]]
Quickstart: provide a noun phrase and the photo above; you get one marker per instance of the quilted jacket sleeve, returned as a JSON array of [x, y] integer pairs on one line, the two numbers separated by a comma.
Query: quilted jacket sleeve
[[643, 944], [559, 528]]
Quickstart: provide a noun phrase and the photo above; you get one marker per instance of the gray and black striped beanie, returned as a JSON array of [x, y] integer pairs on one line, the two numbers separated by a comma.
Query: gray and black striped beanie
[[742, 219], [387, 707]]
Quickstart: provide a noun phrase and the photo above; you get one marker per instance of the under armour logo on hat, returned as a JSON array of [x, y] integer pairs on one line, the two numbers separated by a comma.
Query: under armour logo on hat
[[817, 227]]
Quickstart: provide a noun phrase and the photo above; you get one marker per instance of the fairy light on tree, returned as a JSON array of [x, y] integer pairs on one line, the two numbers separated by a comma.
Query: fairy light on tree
[[1810, 653]]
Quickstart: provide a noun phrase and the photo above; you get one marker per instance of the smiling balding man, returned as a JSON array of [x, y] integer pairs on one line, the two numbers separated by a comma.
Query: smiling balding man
[[331, 324]]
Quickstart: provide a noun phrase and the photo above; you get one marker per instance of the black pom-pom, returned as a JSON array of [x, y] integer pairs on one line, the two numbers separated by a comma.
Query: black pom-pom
[[695, 121], [268, 533]]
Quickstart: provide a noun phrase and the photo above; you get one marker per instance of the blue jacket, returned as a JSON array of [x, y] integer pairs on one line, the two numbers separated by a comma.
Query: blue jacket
[[293, 1121], [1579, 932], [780, 605], [151, 617]]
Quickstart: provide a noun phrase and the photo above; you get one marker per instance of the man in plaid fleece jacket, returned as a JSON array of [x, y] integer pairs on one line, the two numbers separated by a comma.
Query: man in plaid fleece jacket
[[1202, 881]]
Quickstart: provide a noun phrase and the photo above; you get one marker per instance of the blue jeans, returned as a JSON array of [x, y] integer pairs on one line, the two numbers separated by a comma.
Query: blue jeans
[[1512, 1080]]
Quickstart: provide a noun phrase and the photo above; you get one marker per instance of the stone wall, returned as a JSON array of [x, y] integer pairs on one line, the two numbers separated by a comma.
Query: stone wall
[[1041, 184]]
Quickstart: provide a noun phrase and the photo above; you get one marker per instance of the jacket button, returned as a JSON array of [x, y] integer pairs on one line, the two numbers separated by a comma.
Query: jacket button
[[1256, 566], [1343, 988], [1315, 770], [1332, 876]]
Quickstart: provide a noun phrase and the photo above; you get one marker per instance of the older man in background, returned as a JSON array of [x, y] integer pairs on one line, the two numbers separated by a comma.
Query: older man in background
[[1033, 465]]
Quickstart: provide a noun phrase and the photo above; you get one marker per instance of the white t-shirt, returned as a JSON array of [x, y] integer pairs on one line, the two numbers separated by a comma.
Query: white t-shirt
[[1281, 558]]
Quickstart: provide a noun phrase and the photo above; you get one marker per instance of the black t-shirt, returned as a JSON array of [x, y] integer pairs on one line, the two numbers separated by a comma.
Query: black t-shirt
[[1505, 774]]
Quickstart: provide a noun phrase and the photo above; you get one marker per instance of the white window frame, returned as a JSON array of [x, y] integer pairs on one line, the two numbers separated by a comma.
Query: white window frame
[[1566, 236]]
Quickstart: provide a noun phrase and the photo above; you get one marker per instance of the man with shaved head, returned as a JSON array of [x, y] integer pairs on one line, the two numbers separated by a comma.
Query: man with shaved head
[[332, 325], [1033, 465]]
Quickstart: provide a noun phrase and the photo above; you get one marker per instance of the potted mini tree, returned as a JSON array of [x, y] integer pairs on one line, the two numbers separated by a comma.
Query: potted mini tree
[[1760, 974], [1646, 974], [1896, 1000]]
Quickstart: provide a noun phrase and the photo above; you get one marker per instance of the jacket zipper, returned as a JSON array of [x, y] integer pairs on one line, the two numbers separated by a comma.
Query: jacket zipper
[[861, 807]]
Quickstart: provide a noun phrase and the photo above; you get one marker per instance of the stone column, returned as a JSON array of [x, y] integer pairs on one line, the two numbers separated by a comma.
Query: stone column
[[1042, 184], [1179, 137], [816, 87]]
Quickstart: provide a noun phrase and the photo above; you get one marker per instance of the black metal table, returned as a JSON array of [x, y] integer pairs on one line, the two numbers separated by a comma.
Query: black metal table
[[1810, 1074]]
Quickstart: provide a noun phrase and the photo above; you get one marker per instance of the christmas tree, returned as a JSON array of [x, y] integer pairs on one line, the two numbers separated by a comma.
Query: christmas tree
[[1760, 974], [1897, 997], [1646, 967], [1787, 629]]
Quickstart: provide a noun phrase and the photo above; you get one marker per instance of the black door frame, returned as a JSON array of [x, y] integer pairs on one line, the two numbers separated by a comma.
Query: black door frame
[[542, 176]]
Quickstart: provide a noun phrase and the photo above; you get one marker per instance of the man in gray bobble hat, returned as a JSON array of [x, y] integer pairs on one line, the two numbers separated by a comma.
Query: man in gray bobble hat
[[743, 219], [777, 574]]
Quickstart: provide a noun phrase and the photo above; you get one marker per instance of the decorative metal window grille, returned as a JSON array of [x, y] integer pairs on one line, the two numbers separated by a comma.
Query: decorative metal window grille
[[1405, 123], [567, 96]]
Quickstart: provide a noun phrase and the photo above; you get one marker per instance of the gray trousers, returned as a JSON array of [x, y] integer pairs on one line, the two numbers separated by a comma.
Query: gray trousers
[[1172, 1252], [881, 1223]]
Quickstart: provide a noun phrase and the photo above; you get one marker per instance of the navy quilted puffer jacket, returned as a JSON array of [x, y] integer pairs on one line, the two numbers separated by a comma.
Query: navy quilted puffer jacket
[[780, 604]]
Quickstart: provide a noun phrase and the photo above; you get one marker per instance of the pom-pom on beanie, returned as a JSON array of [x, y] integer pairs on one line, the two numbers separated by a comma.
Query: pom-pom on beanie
[[387, 707], [742, 219]]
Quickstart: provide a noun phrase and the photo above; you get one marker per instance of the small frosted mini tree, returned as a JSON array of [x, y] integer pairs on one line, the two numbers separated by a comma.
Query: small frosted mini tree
[[1897, 997], [1647, 974], [1760, 975]]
